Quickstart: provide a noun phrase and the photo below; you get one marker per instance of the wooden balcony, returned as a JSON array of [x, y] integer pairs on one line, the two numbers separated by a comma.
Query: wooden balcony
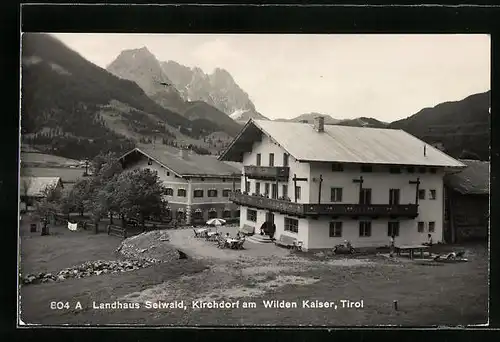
[[372, 210], [327, 209], [271, 204], [267, 172]]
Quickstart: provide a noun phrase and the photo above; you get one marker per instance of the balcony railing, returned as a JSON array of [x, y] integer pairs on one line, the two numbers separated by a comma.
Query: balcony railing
[[267, 172], [267, 203], [329, 209], [406, 210]]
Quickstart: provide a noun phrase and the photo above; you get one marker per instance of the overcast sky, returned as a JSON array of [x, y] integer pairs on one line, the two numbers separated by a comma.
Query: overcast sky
[[387, 77]]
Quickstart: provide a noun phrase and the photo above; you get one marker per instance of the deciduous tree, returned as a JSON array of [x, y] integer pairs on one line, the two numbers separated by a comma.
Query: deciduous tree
[[139, 193]]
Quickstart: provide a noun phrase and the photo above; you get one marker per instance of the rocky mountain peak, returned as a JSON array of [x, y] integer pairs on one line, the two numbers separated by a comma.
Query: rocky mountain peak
[[142, 54], [219, 89], [142, 67]]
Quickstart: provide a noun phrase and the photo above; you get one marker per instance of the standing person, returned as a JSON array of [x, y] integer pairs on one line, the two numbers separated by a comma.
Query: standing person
[[273, 230], [263, 228], [392, 245]]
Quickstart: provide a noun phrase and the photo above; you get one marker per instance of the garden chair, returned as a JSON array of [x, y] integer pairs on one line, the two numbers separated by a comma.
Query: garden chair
[[214, 237], [221, 242], [240, 243], [297, 245]]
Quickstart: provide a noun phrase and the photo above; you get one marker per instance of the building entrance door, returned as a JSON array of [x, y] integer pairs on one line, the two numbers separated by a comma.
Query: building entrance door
[[270, 227], [269, 217]]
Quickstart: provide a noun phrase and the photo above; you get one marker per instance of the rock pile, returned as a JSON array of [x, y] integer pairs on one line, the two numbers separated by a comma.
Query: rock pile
[[87, 269], [152, 247], [140, 251]]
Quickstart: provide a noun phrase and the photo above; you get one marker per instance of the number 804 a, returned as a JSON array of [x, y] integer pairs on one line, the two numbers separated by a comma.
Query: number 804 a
[[59, 305]]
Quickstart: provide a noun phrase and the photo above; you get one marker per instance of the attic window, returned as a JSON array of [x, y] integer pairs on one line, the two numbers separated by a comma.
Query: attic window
[[394, 170], [202, 179], [410, 169], [421, 169], [337, 167], [150, 162], [433, 170]]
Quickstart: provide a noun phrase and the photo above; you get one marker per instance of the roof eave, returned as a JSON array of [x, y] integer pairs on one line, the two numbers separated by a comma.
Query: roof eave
[[360, 162], [223, 155], [153, 158], [471, 193], [197, 175]]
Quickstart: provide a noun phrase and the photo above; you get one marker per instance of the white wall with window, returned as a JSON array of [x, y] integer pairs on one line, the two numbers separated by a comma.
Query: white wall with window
[[327, 232], [383, 185], [293, 227], [252, 217], [379, 182], [265, 148], [212, 190]]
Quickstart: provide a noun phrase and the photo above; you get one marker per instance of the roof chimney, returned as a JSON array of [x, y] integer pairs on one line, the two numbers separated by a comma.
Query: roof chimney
[[183, 153], [425, 150], [319, 124]]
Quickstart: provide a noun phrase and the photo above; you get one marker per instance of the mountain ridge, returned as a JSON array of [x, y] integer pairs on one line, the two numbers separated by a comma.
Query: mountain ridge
[[218, 89], [72, 106], [142, 66], [462, 127]]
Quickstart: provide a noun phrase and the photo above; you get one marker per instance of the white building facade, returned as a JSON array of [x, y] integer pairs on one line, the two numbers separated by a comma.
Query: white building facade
[[322, 203], [194, 195]]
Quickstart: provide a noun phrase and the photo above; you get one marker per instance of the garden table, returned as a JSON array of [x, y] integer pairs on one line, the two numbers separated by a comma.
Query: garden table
[[411, 249]]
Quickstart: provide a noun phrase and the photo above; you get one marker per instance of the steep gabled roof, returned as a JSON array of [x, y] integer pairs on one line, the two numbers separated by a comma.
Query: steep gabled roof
[[35, 186], [67, 175], [340, 144], [192, 165], [473, 180]]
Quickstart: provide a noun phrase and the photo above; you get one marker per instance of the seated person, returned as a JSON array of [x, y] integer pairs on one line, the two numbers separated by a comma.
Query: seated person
[[429, 240], [238, 236], [228, 236]]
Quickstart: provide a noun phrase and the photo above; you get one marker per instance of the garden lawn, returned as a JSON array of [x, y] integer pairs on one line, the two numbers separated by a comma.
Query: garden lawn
[[443, 294]]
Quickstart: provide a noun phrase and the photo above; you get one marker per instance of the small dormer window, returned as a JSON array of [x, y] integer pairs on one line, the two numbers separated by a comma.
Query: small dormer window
[[150, 162]]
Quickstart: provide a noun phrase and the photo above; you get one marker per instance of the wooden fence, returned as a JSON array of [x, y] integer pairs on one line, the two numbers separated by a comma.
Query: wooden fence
[[117, 231], [88, 225]]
